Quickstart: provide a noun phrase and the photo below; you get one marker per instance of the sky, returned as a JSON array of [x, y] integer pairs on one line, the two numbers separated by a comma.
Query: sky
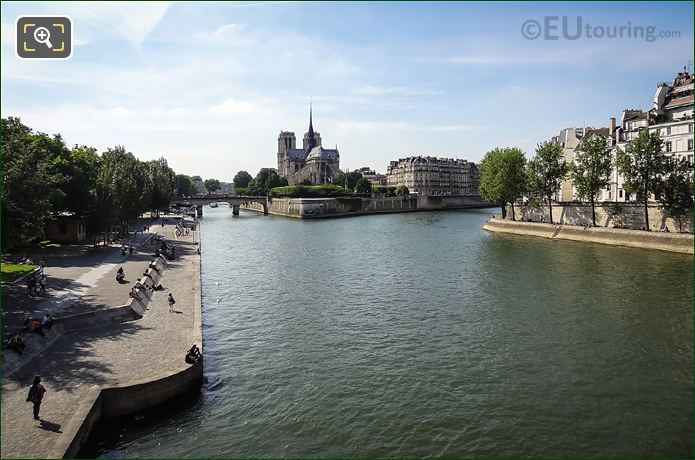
[[209, 86]]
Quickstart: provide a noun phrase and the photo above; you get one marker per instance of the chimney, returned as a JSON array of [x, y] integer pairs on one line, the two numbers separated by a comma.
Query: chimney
[[611, 127]]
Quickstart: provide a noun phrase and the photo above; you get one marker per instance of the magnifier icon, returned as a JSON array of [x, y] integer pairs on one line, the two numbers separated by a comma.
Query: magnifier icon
[[42, 35]]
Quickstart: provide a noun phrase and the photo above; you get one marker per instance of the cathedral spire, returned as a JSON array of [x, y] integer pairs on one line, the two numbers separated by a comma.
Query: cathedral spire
[[310, 138]]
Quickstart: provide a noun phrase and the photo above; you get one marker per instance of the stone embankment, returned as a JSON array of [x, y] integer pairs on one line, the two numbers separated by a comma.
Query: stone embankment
[[107, 362], [673, 242], [317, 208]]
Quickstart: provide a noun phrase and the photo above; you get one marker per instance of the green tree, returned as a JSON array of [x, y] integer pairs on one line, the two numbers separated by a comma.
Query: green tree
[[27, 186], [347, 179], [642, 165], [242, 179], [503, 177], [363, 186], [547, 169], [591, 170], [119, 187], [272, 181], [160, 185], [402, 190], [676, 190], [184, 186], [212, 185], [266, 179]]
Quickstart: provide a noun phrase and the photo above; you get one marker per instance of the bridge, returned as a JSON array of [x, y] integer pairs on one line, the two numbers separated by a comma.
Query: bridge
[[234, 201]]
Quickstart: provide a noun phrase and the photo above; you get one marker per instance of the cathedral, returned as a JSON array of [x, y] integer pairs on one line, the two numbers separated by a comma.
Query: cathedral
[[312, 162]]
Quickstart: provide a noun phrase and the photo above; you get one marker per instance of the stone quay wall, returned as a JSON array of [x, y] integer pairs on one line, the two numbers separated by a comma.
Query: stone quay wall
[[672, 242], [631, 216], [136, 396], [316, 208]]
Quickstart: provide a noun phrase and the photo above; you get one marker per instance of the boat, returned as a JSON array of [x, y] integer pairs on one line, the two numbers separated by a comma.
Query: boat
[[213, 205]]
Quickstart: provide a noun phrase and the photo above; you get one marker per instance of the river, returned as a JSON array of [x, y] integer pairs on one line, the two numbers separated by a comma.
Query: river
[[420, 334]]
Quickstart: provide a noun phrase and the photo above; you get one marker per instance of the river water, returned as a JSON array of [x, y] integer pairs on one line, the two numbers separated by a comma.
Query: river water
[[420, 334]]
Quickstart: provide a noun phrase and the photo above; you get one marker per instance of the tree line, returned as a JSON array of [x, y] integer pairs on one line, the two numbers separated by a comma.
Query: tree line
[[43, 178], [506, 175]]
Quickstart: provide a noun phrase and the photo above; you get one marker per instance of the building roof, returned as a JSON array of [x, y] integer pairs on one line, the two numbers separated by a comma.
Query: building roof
[[679, 101], [603, 132], [296, 154], [320, 152], [634, 115]]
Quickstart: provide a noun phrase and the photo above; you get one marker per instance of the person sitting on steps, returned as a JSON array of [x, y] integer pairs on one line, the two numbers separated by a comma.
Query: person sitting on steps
[[193, 355]]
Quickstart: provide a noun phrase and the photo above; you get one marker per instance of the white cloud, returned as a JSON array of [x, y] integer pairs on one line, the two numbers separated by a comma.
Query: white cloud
[[403, 126], [399, 90], [133, 22], [237, 107]]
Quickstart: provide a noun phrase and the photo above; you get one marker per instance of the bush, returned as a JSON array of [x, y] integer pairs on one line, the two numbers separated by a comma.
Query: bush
[[363, 186], [387, 190], [310, 191], [402, 190]]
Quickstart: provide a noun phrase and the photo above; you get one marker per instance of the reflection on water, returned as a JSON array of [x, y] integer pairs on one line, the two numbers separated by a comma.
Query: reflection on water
[[419, 334]]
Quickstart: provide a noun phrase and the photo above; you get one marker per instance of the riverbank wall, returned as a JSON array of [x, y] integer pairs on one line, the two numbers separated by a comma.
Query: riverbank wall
[[672, 242], [103, 403], [318, 208], [107, 402], [608, 215]]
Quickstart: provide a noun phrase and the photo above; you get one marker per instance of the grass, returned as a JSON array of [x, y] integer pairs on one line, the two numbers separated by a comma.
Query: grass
[[49, 244], [11, 272]]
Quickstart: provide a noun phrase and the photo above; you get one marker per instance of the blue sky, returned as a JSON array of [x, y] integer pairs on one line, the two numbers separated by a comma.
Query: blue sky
[[210, 85]]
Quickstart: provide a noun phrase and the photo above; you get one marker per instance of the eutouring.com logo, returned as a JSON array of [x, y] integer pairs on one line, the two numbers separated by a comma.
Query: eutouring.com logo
[[574, 28]]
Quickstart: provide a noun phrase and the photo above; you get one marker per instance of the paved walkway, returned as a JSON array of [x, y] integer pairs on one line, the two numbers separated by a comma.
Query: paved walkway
[[73, 283], [109, 355]]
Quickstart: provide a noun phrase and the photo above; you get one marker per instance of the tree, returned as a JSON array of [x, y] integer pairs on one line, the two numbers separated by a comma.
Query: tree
[[503, 177], [591, 170], [347, 180], [27, 185], [642, 165], [402, 190], [212, 185], [547, 169], [676, 190], [160, 185], [242, 179], [184, 185], [363, 186], [119, 187], [266, 179], [272, 181]]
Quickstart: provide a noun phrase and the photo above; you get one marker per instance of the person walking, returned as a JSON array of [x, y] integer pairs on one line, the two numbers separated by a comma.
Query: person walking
[[35, 396], [172, 301], [42, 283]]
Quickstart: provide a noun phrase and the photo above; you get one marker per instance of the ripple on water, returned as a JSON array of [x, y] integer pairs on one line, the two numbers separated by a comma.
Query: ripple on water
[[416, 335]]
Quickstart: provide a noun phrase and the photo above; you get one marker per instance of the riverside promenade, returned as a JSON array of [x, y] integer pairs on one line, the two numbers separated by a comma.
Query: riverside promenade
[[79, 366]]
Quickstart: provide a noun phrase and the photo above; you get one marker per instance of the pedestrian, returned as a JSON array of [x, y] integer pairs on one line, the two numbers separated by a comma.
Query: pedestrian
[[35, 395], [130, 250], [47, 322], [42, 283], [172, 301], [41, 265]]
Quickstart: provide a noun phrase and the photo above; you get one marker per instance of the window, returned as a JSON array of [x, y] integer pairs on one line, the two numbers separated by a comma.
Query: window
[[620, 193], [668, 147], [690, 128], [690, 160], [690, 144], [668, 131]]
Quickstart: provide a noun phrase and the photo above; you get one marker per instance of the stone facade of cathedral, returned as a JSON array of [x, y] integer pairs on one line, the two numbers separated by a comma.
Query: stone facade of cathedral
[[311, 163]]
